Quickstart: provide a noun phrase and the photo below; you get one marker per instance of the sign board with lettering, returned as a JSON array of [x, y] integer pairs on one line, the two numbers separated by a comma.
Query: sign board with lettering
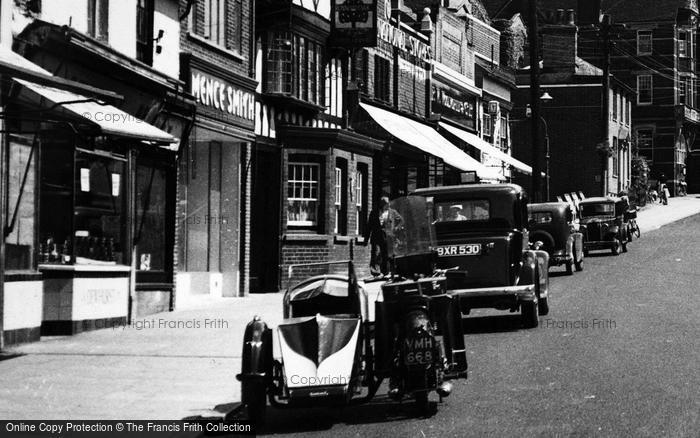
[[455, 106], [222, 97], [353, 23]]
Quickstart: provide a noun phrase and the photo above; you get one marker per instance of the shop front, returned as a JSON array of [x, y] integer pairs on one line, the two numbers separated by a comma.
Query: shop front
[[105, 182], [213, 183]]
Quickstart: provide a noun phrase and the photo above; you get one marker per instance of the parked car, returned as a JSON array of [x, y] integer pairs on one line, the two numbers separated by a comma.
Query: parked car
[[552, 225], [482, 244], [604, 224]]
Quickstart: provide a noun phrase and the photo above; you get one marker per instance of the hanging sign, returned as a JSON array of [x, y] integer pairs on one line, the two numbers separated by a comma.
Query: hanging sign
[[353, 23]]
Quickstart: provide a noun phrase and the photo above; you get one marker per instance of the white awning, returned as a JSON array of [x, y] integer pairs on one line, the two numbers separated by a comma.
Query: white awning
[[13, 59], [111, 120], [428, 140], [485, 147]]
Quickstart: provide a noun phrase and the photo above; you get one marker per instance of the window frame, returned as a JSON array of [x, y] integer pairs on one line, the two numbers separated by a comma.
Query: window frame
[[317, 199], [382, 78], [651, 89], [645, 34], [682, 44], [338, 198], [615, 158], [98, 19], [145, 42]]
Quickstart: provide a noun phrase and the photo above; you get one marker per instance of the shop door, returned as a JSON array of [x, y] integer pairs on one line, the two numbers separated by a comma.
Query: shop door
[[265, 223]]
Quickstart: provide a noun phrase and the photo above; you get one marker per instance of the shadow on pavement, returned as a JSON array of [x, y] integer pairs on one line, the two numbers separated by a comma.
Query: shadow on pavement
[[492, 324], [380, 410]]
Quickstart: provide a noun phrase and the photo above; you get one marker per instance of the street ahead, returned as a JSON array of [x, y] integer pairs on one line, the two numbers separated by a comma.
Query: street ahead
[[619, 354]]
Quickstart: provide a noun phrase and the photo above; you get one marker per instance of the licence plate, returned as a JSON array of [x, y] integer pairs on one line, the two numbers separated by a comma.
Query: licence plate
[[419, 350], [467, 249]]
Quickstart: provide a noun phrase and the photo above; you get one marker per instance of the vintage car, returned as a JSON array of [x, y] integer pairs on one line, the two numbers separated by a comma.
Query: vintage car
[[551, 226], [604, 224], [482, 244]]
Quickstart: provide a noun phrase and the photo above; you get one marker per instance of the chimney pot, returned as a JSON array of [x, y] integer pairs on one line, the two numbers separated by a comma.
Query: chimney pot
[[570, 17], [560, 16]]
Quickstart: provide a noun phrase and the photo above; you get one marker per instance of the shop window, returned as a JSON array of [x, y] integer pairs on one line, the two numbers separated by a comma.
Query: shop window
[[644, 89], [20, 195], [150, 223], [144, 31], [644, 42], [382, 78], [361, 197], [340, 197], [98, 19], [89, 187], [303, 189]]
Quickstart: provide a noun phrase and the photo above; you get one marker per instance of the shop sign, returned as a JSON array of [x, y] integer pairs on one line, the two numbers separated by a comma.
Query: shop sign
[[217, 94], [464, 108], [354, 23], [406, 43]]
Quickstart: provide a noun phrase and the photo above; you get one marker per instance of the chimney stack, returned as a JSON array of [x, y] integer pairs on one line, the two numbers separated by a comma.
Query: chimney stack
[[560, 42]]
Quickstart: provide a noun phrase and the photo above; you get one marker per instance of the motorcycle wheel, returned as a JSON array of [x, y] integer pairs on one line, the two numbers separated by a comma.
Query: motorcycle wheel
[[422, 402], [254, 397]]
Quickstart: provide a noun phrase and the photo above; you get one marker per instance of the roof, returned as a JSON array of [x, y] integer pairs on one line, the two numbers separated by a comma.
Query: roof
[[620, 10], [548, 206], [471, 188]]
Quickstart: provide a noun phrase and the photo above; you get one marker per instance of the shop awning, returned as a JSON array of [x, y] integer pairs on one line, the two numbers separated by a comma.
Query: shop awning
[[428, 140], [485, 147], [111, 120]]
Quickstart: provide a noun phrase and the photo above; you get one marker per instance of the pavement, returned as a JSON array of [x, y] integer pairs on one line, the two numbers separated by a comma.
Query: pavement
[[167, 366]]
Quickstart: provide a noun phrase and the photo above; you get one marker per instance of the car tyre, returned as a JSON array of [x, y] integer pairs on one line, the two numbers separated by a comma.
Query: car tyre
[[569, 267], [543, 306], [254, 397], [530, 314], [579, 265], [616, 247], [624, 246], [422, 402]]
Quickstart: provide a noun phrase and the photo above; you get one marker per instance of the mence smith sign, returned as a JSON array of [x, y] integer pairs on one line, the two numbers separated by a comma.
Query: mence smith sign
[[224, 97]]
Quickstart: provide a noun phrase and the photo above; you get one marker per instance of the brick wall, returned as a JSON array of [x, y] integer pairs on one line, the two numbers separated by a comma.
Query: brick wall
[[485, 39]]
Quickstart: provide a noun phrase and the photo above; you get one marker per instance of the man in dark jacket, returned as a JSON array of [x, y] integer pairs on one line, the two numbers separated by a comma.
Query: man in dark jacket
[[375, 234]]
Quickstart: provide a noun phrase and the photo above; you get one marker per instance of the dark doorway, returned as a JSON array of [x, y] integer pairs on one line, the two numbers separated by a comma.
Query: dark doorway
[[265, 222]]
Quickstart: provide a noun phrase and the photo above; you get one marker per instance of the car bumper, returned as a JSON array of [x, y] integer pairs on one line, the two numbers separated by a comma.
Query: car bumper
[[503, 297], [600, 244], [559, 259]]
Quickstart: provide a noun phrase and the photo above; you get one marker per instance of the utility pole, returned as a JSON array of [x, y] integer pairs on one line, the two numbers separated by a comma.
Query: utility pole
[[533, 38], [605, 110]]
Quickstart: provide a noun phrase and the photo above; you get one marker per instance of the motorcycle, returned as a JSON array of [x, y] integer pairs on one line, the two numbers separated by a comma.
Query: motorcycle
[[333, 354]]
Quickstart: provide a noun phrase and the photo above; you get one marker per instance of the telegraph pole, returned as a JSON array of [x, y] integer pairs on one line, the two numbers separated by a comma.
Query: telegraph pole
[[605, 116], [534, 99]]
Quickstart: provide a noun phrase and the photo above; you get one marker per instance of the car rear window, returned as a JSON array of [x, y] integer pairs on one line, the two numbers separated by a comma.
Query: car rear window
[[597, 209], [471, 210]]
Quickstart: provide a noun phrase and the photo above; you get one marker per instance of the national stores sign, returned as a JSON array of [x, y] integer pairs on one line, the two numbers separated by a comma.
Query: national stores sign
[[214, 93]]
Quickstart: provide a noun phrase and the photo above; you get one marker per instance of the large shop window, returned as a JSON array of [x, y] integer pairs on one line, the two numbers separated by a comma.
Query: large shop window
[[98, 19], [303, 194], [295, 67], [20, 194], [82, 206]]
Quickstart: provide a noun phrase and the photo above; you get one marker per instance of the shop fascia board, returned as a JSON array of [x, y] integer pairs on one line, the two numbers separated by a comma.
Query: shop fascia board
[[326, 138], [49, 36], [455, 78]]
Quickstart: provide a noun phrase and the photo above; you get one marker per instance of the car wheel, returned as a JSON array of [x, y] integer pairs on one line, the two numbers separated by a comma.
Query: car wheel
[[254, 398], [422, 402], [624, 246], [569, 267], [530, 314], [616, 247], [543, 306], [579, 265]]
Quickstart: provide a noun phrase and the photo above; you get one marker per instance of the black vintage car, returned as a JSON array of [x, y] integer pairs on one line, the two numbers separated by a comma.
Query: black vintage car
[[482, 243], [552, 225], [604, 224]]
